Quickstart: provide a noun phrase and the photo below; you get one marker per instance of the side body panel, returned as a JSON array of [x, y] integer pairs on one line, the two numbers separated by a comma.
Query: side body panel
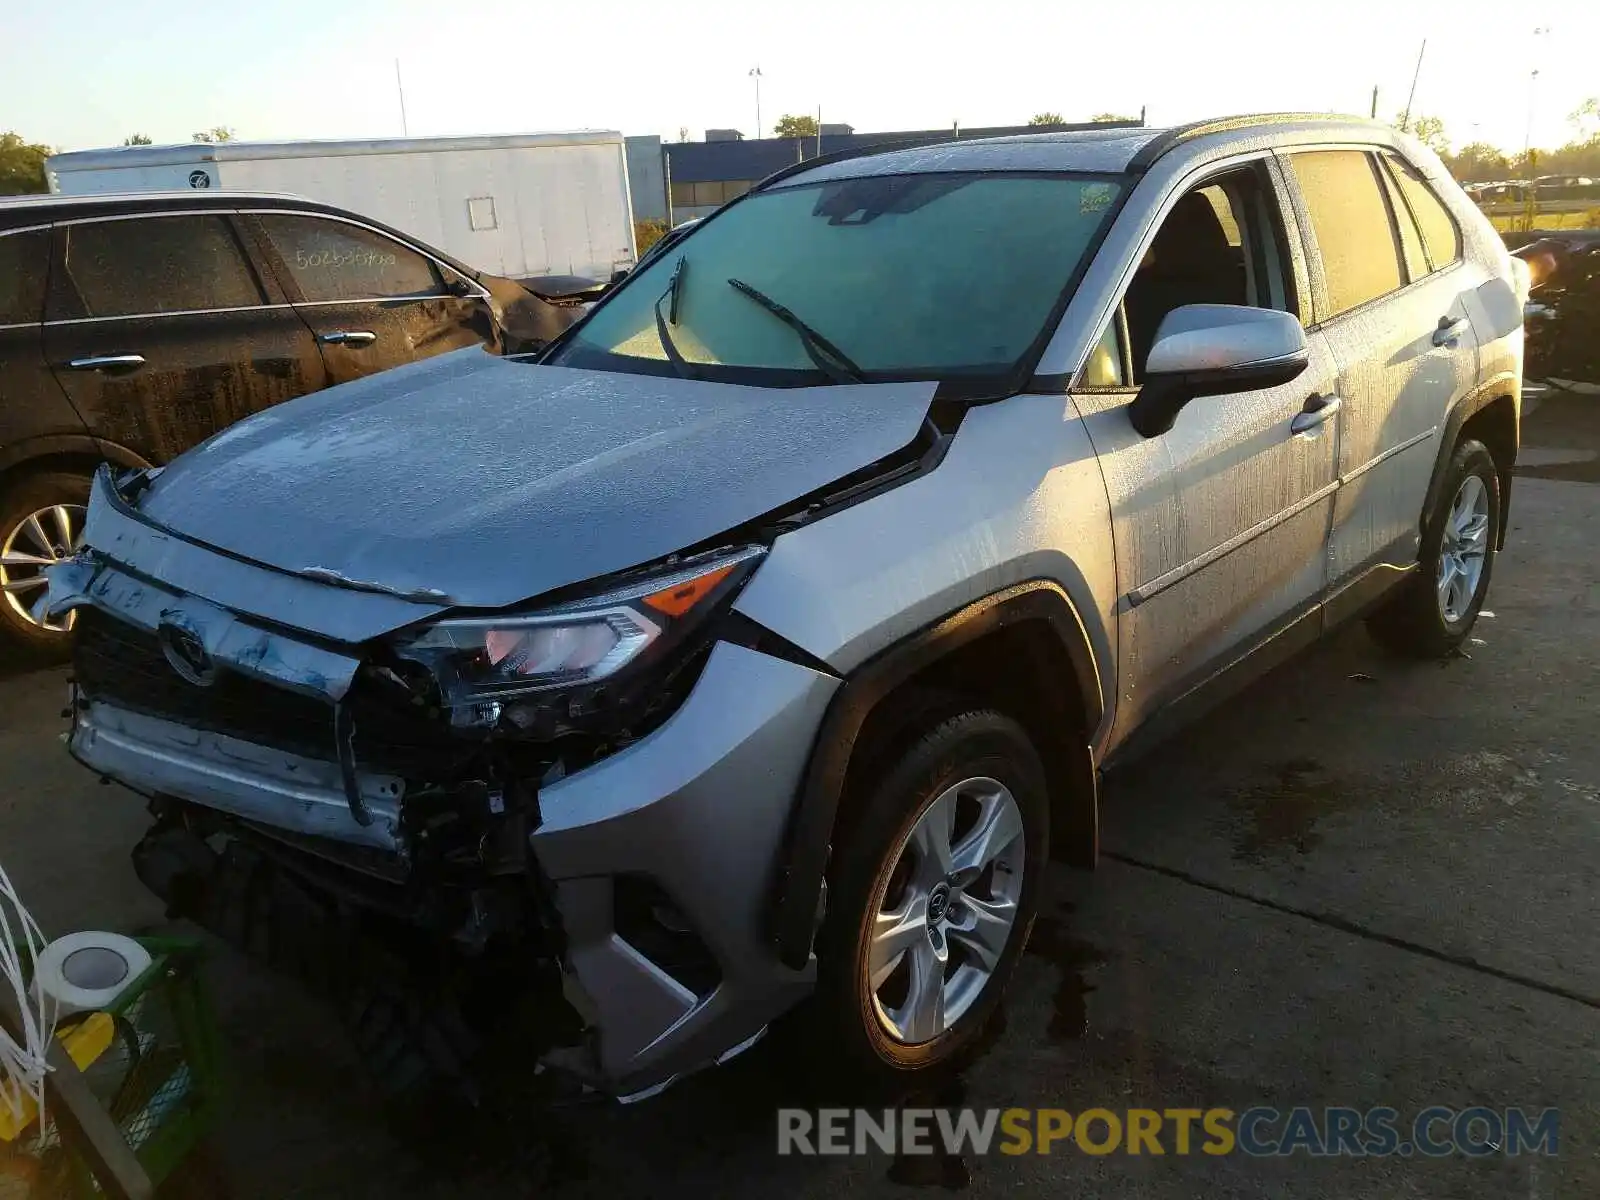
[[1220, 525], [1018, 496]]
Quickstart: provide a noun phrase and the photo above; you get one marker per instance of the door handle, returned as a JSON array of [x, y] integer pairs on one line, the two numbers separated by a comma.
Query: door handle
[[107, 362], [1449, 331], [1317, 410], [348, 337]]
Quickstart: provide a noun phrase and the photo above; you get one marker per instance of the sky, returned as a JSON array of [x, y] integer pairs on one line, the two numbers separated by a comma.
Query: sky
[[77, 74]]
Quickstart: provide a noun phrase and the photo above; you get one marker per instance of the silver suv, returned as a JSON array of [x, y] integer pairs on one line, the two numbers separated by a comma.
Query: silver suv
[[766, 636]]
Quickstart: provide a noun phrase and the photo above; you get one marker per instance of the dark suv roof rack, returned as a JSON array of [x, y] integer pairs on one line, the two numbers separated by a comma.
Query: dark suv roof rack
[[1171, 139]]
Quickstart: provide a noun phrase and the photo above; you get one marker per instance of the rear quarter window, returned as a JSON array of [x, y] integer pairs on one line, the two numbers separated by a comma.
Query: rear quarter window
[[24, 263], [1440, 236]]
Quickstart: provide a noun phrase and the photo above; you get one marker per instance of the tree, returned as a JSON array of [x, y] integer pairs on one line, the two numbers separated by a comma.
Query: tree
[[138, 139], [1427, 130], [1478, 162], [217, 133], [1047, 118], [788, 126], [1586, 119], [1107, 118], [22, 166]]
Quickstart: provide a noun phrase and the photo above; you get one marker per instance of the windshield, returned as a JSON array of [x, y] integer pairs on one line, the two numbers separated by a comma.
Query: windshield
[[889, 277]]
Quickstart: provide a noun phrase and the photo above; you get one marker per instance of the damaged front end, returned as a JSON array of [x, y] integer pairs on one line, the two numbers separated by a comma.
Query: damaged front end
[[392, 778]]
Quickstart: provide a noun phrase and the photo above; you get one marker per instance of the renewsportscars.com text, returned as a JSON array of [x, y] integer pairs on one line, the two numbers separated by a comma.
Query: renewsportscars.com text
[[1261, 1132]]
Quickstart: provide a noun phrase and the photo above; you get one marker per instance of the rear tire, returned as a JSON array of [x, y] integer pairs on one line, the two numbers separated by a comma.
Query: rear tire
[[31, 531], [915, 849], [1431, 614]]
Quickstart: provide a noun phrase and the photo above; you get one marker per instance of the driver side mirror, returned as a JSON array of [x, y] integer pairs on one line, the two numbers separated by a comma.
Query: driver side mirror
[[1212, 350]]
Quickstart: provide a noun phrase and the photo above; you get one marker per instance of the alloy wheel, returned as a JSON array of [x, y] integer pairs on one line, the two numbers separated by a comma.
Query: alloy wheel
[[1463, 550], [945, 910], [41, 540]]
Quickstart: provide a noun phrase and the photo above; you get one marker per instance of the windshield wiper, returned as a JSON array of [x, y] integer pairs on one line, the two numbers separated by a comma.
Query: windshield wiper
[[818, 348], [670, 297]]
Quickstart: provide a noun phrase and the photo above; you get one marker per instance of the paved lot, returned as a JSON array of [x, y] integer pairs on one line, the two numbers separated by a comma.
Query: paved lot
[[1364, 883]]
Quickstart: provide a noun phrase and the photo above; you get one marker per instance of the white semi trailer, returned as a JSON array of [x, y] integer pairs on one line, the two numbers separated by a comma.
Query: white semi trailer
[[521, 205]]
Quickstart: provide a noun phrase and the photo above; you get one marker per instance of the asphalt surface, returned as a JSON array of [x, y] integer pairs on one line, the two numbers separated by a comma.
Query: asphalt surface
[[1362, 883]]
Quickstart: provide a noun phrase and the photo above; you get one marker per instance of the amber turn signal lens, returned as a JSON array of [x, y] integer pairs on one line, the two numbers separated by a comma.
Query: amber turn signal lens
[[675, 601]]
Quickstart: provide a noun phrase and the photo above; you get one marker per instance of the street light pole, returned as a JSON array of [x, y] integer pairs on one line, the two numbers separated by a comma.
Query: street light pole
[[1533, 85], [755, 73]]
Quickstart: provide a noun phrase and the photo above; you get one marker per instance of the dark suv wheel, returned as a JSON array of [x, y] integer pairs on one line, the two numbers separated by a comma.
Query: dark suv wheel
[[41, 522], [934, 895]]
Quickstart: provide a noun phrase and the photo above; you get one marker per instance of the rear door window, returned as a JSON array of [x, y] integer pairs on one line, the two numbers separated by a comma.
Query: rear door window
[[1440, 235], [333, 260], [1350, 221], [24, 264], [149, 265]]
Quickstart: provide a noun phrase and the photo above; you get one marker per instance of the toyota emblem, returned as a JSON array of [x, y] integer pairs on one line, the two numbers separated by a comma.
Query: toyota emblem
[[187, 655]]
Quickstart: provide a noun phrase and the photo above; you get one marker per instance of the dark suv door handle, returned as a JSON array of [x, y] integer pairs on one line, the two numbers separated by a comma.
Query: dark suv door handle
[[107, 362], [1317, 410], [348, 337], [1449, 331]]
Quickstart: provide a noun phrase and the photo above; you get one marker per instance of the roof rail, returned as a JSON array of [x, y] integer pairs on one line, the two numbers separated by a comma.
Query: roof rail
[[1171, 139]]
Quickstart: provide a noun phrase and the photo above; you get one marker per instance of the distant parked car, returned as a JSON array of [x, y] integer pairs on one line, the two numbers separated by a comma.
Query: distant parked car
[[1566, 187], [134, 327]]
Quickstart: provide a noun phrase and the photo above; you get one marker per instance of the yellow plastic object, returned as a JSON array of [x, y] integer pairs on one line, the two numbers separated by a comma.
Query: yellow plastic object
[[84, 1043]]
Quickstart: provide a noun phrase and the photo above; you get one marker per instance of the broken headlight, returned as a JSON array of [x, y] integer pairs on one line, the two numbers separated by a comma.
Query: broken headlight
[[482, 664]]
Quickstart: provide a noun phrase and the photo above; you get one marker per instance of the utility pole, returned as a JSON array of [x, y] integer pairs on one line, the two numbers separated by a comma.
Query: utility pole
[[666, 182], [1374, 113], [1405, 120], [405, 130], [755, 73], [819, 131]]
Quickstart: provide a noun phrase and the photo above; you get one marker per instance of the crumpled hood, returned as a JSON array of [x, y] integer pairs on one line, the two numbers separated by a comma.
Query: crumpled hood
[[479, 481]]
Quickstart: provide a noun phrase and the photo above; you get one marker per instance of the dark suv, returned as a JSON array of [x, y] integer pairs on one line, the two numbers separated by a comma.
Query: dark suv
[[133, 327]]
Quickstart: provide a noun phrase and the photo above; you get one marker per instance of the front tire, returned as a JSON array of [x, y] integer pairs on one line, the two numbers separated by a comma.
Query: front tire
[[41, 522], [933, 898], [1432, 613]]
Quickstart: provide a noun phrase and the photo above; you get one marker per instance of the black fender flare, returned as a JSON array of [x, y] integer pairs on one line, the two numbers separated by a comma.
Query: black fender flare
[[1469, 406], [77, 445], [803, 858]]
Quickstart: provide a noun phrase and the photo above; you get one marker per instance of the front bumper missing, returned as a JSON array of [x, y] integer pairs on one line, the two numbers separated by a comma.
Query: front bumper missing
[[698, 808], [253, 782]]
